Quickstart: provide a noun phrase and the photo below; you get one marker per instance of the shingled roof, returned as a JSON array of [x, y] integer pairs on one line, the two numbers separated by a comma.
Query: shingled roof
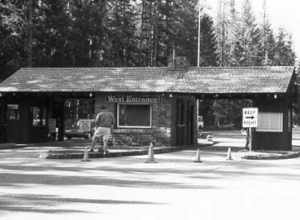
[[207, 80]]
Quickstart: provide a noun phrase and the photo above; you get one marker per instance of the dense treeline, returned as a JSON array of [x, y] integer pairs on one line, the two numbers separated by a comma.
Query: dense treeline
[[244, 42], [137, 33], [133, 33], [97, 32]]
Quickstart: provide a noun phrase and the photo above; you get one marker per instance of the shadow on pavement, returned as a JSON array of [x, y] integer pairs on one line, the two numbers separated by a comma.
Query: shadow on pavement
[[35, 202]]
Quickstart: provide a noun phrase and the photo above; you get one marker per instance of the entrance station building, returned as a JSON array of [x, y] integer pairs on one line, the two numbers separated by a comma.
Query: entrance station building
[[149, 103]]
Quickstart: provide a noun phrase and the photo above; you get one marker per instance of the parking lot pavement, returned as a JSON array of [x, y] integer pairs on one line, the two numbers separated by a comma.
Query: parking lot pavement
[[128, 188]]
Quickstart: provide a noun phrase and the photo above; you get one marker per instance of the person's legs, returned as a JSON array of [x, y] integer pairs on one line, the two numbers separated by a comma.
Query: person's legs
[[96, 136], [105, 140], [94, 139], [93, 144]]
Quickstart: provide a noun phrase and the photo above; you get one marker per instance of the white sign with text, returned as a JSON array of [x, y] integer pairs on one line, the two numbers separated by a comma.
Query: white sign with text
[[250, 116]]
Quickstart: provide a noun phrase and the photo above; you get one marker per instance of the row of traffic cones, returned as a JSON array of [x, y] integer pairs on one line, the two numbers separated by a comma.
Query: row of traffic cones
[[151, 158]]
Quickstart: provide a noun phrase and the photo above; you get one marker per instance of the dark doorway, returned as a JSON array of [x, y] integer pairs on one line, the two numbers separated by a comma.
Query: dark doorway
[[3, 122], [14, 122], [184, 122], [58, 114]]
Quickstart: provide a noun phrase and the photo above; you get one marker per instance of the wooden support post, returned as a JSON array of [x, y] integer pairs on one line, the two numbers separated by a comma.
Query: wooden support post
[[195, 120], [250, 139]]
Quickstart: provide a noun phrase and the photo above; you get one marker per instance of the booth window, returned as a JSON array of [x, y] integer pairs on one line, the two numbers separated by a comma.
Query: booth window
[[270, 122], [134, 115], [77, 109], [38, 116], [13, 112]]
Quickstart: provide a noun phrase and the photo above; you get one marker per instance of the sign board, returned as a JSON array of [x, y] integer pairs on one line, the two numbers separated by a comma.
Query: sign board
[[133, 99], [250, 116], [13, 106]]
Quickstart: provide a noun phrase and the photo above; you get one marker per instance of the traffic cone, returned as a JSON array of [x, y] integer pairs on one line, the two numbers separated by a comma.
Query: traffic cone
[[150, 158], [198, 159], [229, 154], [86, 155]]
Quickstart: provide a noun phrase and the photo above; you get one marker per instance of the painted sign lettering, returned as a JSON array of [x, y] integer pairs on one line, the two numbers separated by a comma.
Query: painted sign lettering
[[133, 99]]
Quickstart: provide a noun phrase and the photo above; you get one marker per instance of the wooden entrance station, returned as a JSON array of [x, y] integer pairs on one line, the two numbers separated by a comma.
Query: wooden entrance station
[[161, 106]]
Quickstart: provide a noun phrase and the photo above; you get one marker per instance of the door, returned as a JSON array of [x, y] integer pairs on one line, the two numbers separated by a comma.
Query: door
[[184, 122], [3, 123], [38, 123], [13, 118], [58, 115]]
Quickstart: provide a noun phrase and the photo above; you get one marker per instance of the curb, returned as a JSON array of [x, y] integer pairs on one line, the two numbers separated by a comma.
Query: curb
[[79, 154], [219, 149], [287, 155]]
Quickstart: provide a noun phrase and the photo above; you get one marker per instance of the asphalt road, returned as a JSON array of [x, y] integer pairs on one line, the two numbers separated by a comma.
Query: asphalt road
[[127, 188]]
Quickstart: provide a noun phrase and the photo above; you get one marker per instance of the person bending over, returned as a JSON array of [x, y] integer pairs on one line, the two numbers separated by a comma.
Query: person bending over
[[104, 123]]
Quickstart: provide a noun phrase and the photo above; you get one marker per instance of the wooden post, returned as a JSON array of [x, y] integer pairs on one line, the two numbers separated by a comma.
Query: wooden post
[[195, 119], [250, 139]]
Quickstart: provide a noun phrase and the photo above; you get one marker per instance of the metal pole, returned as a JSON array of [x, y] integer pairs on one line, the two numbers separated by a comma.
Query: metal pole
[[199, 33], [29, 26]]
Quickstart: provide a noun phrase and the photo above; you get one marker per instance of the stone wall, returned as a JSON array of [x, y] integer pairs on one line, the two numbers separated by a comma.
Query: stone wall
[[159, 133]]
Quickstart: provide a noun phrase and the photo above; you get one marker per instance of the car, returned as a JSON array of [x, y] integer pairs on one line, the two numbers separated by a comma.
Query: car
[[83, 129], [76, 133]]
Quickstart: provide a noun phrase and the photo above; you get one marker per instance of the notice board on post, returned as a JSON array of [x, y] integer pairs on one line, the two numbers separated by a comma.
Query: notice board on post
[[250, 117]]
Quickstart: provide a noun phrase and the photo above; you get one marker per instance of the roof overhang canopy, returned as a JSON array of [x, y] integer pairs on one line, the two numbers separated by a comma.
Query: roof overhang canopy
[[194, 80]]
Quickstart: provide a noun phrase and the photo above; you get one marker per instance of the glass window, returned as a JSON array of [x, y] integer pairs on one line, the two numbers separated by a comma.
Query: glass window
[[13, 112], [38, 116], [76, 110], [134, 115], [270, 122]]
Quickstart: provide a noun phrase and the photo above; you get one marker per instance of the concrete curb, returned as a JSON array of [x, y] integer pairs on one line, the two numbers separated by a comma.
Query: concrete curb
[[272, 156], [73, 154], [219, 149]]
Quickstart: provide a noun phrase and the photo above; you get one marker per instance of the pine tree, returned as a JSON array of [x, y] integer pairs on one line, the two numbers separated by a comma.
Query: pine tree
[[149, 32], [12, 36], [123, 33], [51, 32], [283, 51], [185, 29], [222, 33], [233, 28], [208, 42], [89, 40], [248, 45], [167, 25]]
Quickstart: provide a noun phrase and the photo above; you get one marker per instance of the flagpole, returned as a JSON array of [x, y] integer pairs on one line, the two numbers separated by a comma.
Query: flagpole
[[199, 33], [198, 65]]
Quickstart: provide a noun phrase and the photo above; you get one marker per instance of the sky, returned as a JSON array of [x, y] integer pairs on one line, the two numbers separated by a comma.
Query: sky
[[281, 13]]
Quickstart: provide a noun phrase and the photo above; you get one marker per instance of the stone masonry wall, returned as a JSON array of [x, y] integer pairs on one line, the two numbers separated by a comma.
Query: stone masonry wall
[[159, 134]]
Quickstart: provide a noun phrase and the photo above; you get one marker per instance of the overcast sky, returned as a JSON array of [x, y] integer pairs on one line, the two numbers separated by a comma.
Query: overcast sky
[[281, 13]]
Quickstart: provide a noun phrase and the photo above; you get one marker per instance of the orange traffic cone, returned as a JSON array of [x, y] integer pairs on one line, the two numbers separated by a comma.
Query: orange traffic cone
[[198, 155], [229, 157], [86, 155], [150, 158]]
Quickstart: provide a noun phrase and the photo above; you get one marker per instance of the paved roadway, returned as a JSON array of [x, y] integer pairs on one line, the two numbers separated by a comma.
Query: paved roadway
[[127, 188]]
